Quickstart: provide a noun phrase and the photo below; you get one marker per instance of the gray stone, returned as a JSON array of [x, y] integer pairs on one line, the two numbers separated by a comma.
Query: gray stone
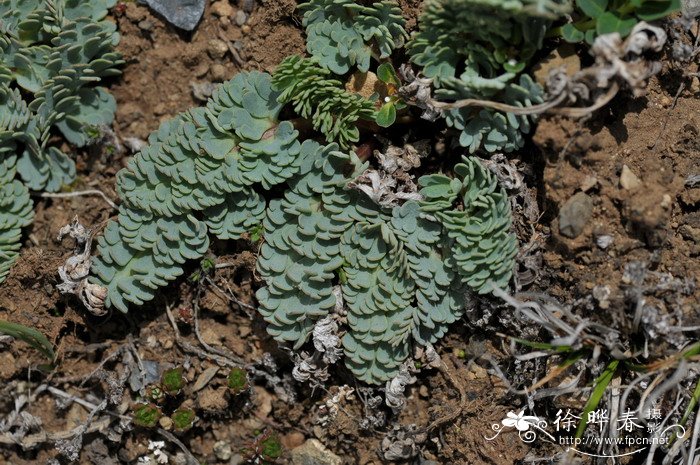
[[312, 452], [241, 17], [575, 214], [604, 241], [184, 14], [222, 450]]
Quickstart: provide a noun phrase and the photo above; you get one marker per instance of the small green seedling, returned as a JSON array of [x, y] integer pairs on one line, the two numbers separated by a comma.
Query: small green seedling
[[266, 448], [172, 381], [147, 415], [386, 116], [155, 394], [237, 380], [183, 419], [206, 268], [256, 234]]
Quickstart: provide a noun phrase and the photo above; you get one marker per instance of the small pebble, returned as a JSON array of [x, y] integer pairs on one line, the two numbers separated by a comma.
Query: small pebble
[[423, 391], [217, 72], [241, 17], [217, 49], [222, 9], [575, 214], [201, 70], [145, 25], [629, 180], [166, 423], [589, 182], [222, 450], [604, 241], [602, 294]]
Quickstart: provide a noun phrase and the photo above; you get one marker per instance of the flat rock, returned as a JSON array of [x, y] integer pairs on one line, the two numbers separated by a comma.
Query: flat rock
[[575, 214], [312, 452], [184, 14]]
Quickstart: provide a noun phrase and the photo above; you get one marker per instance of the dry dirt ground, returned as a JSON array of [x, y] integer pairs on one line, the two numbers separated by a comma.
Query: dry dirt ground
[[650, 220]]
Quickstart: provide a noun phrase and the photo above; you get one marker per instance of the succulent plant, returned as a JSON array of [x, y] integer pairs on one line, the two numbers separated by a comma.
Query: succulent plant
[[477, 49], [265, 449], [52, 52], [196, 176], [146, 415], [237, 380], [172, 381], [15, 213], [595, 17], [321, 99], [183, 419], [342, 34], [55, 51], [404, 270]]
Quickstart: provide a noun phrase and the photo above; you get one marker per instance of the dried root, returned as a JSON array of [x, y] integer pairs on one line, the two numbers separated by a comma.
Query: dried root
[[75, 271]]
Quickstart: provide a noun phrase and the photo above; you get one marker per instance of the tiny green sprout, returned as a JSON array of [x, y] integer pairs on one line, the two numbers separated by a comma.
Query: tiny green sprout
[[257, 233], [386, 116], [207, 264], [147, 415], [155, 394], [206, 267], [265, 449], [183, 419], [387, 74], [93, 133], [270, 446], [461, 353], [172, 381], [237, 380], [342, 276], [418, 365]]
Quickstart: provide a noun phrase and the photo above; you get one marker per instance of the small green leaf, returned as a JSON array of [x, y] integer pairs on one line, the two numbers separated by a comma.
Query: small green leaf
[[609, 22], [592, 8], [513, 66], [570, 34], [653, 10], [387, 74], [257, 233], [590, 36], [29, 335], [386, 115], [601, 384]]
